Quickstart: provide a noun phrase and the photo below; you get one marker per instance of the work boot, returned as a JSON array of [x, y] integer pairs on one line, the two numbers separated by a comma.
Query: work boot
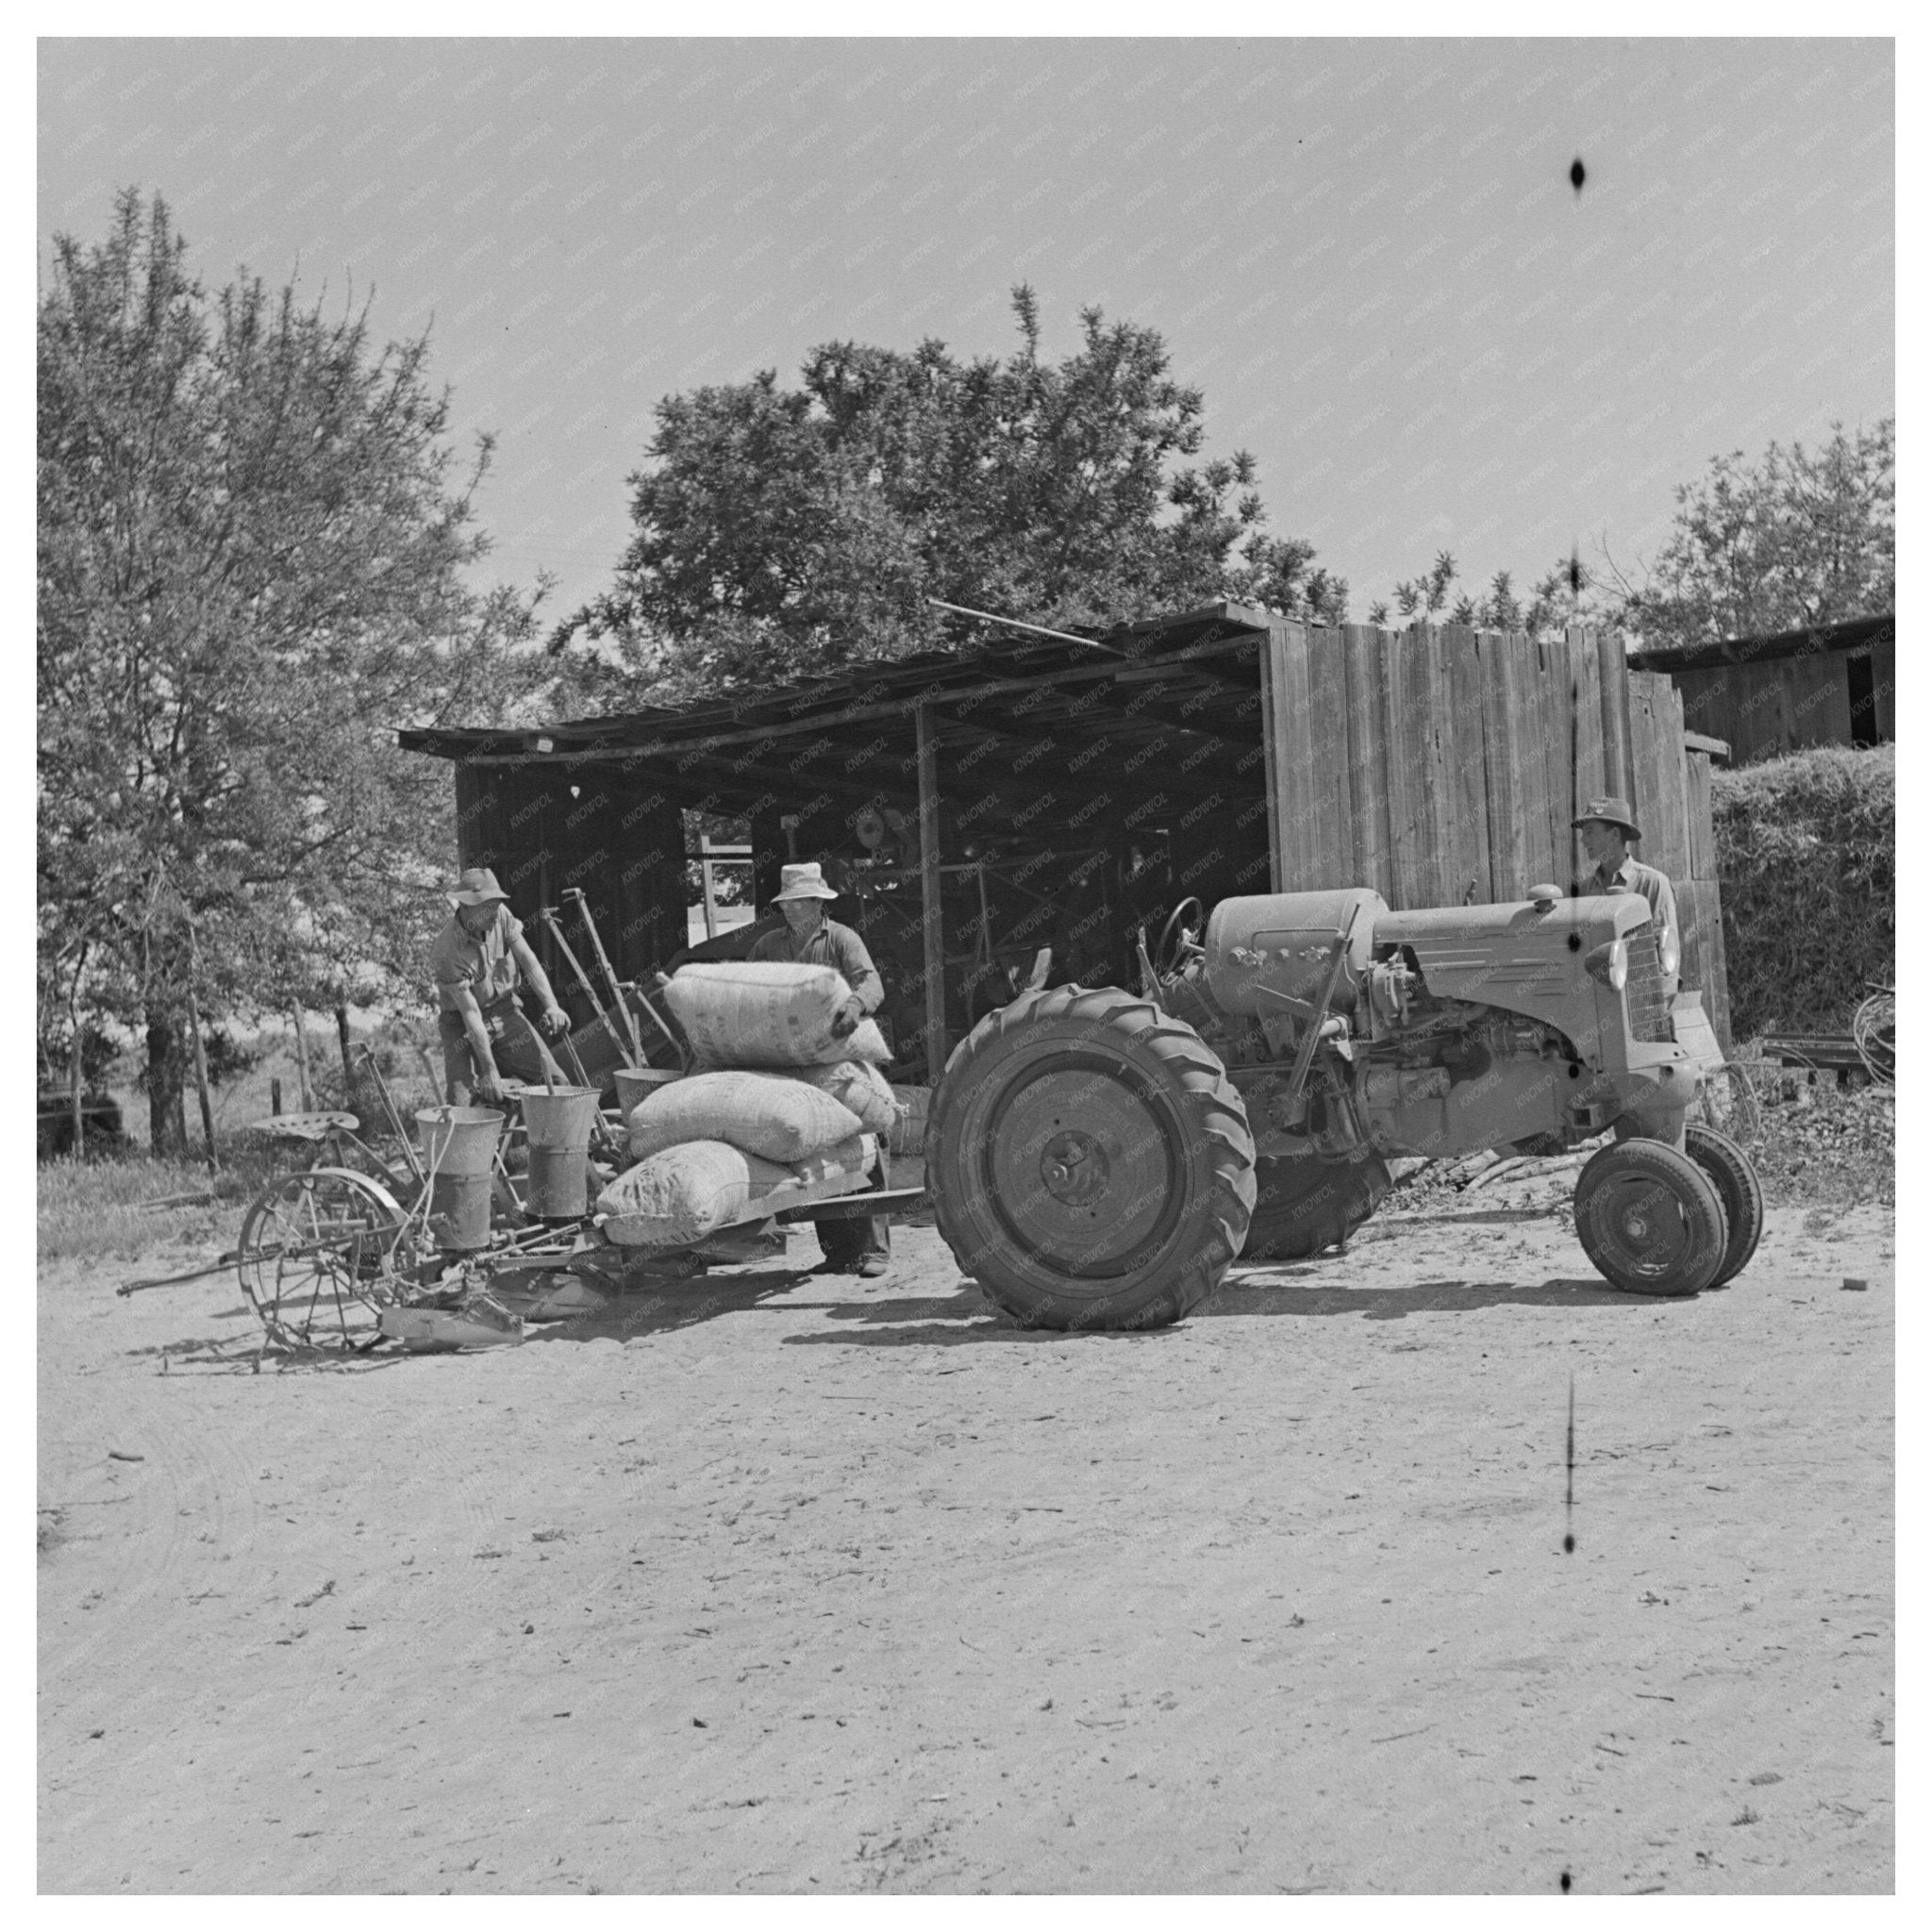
[[872, 1265]]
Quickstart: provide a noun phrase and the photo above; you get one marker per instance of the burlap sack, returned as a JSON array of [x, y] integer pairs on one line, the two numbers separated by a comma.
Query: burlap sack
[[776, 1117], [769, 1014], [679, 1196]]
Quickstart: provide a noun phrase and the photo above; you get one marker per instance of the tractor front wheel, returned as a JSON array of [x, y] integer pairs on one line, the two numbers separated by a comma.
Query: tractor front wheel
[[1728, 1170], [1089, 1162], [1649, 1219]]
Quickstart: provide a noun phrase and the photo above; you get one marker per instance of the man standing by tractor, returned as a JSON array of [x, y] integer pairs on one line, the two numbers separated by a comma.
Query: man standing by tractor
[[478, 961], [1607, 831], [862, 1246]]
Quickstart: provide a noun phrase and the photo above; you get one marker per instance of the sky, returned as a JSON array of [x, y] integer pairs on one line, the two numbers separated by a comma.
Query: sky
[[1368, 254]]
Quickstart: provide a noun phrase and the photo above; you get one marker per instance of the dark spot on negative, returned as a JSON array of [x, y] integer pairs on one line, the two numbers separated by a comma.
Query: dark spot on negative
[[1576, 179]]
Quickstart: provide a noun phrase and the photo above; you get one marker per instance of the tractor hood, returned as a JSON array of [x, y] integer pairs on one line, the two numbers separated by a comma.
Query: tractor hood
[[1527, 956]]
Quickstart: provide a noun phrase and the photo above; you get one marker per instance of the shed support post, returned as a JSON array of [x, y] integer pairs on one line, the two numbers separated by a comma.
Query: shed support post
[[929, 895]]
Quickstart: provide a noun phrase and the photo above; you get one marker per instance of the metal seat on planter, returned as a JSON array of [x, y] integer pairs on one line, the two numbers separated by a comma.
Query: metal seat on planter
[[314, 1126]]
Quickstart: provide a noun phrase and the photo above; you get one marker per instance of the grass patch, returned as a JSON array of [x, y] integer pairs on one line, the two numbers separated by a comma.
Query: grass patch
[[94, 1209]]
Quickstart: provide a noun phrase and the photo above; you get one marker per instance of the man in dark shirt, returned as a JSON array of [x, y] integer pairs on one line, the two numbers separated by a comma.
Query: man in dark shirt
[[807, 937]]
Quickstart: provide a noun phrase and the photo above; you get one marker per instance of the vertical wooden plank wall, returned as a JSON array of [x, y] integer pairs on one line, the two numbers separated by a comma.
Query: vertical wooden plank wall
[[1292, 732], [1407, 720], [1330, 757], [1556, 690], [1593, 749], [1362, 646], [1461, 744], [1614, 685]]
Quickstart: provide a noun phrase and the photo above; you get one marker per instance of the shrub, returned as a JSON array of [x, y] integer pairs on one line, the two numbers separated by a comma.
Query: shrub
[[1806, 849]]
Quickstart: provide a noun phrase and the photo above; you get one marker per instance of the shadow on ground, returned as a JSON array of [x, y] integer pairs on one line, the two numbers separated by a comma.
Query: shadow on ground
[[970, 1317]]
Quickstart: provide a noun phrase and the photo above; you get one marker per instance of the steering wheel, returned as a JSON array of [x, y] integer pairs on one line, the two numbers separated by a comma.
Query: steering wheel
[[1173, 939]]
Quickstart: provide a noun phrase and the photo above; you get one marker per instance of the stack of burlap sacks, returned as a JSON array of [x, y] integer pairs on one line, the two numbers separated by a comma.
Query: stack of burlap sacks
[[780, 1107]]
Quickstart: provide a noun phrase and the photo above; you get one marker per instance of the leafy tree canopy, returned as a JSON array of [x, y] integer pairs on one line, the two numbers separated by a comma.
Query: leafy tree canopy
[[781, 531], [252, 568], [1803, 537]]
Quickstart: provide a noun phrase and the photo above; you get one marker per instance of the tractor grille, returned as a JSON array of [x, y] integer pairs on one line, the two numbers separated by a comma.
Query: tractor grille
[[1643, 991]]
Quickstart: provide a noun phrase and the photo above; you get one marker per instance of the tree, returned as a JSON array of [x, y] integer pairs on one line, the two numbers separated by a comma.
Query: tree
[[1564, 595], [1801, 538], [251, 568], [780, 531]]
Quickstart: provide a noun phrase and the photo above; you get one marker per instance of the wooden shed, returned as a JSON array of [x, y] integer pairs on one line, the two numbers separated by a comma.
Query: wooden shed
[[1763, 696], [975, 807]]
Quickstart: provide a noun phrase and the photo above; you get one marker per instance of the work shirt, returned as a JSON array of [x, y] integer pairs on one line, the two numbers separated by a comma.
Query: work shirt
[[487, 966], [833, 945], [1648, 882]]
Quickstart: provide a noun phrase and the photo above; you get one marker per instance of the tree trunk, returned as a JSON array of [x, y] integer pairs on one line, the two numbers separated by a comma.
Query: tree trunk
[[77, 1074], [74, 1081], [302, 1060], [348, 1065], [208, 1112], [167, 1108]]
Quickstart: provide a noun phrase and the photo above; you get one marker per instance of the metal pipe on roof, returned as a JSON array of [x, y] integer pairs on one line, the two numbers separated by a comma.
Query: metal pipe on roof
[[1065, 637]]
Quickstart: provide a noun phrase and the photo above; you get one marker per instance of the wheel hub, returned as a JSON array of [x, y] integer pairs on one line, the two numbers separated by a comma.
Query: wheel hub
[[1648, 1225], [1082, 1162], [1073, 1168]]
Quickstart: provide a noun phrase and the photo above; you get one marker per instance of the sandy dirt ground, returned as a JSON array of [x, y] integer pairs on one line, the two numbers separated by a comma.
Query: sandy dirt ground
[[778, 1583]]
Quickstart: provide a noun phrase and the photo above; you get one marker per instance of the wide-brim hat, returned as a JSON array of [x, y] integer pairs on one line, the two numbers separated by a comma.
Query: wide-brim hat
[[477, 887], [1608, 812], [803, 882]]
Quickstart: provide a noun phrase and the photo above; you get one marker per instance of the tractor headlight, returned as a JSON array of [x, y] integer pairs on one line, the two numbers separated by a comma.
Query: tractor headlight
[[1669, 953], [1610, 963]]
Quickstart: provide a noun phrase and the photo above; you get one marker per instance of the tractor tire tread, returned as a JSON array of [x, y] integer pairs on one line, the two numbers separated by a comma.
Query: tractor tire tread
[[1729, 1171], [1217, 1116]]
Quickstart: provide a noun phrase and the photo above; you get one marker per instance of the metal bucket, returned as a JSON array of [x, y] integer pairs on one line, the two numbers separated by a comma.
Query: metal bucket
[[633, 1086], [558, 1122], [460, 1152]]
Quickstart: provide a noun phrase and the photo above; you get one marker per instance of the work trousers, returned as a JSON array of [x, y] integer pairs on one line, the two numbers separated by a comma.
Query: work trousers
[[514, 1045]]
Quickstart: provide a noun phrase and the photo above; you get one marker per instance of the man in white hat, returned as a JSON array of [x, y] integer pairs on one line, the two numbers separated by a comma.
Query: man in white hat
[[810, 938], [1607, 830], [478, 962]]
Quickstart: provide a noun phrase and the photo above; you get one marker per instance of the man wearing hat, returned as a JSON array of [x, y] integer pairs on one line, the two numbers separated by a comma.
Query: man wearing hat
[[807, 937], [1607, 831], [478, 961]]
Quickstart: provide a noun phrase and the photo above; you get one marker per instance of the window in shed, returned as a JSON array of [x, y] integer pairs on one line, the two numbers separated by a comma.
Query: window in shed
[[1863, 699]]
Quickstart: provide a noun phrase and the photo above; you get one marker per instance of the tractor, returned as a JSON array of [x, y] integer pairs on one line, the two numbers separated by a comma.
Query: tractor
[[1098, 1159]]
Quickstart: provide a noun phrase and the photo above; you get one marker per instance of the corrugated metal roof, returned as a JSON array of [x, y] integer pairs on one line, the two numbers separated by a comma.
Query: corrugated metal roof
[[986, 680]]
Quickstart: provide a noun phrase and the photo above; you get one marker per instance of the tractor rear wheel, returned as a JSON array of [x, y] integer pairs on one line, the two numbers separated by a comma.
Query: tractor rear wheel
[[1305, 1205], [1649, 1219], [1089, 1162], [1728, 1170]]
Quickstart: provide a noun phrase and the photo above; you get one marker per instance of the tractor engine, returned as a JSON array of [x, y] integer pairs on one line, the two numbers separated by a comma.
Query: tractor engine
[[1435, 1032]]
